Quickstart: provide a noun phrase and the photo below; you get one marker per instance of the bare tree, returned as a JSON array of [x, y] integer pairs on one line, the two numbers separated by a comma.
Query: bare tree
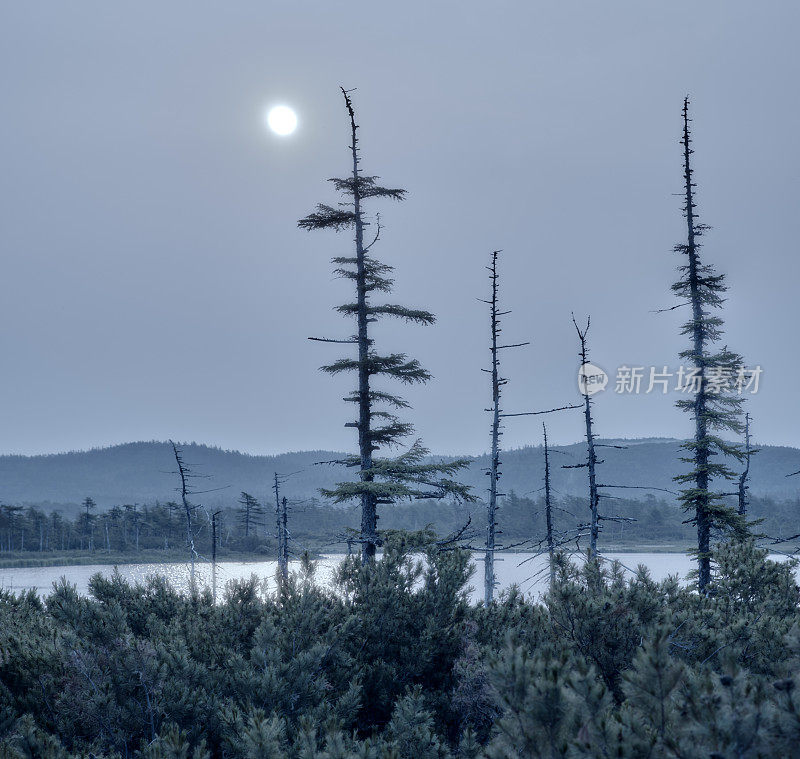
[[188, 508], [495, 316], [591, 453], [282, 531], [494, 465], [744, 477], [284, 528], [548, 509], [214, 554]]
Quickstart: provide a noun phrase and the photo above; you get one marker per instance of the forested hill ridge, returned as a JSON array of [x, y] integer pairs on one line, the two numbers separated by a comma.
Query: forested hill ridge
[[143, 472]]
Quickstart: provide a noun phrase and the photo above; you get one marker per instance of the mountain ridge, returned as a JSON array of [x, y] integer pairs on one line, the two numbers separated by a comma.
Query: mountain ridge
[[143, 471]]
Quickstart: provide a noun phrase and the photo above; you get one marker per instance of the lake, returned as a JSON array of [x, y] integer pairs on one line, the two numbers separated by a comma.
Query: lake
[[527, 570]]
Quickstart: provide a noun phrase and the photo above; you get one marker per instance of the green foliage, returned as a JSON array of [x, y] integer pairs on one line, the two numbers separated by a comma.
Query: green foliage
[[172, 743], [393, 662], [396, 479], [541, 712], [411, 730], [712, 402]]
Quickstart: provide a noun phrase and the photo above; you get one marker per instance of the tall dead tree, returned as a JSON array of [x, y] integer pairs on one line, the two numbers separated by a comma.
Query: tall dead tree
[[282, 531], [591, 453], [744, 477], [188, 508], [494, 465], [381, 481], [283, 559], [494, 473], [555, 538], [214, 554], [713, 406], [548, 509]]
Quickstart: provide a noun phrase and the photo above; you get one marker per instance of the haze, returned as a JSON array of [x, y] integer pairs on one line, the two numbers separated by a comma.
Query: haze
[[155, 283]]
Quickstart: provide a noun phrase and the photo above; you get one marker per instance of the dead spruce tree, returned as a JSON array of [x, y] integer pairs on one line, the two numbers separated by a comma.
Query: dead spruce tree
[[744, 477], [281, 529], [588, 376], [548, 511], [496, 432], [495, 315], [591, 451], [185, 474], [555, 538], [714, 407], [381, 481]]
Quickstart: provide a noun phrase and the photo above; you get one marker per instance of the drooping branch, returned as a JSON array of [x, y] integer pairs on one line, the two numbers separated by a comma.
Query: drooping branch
[[377, 483], [326, 217], [711, 411]]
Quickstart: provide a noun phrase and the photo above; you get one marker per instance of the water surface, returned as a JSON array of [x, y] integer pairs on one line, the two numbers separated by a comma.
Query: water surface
[[528, 571]]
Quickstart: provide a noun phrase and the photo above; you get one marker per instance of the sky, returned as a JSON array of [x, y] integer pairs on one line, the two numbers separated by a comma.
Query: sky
[[155, 284]]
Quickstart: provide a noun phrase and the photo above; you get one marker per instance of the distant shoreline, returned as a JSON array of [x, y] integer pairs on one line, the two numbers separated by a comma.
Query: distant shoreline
[[84, 558]]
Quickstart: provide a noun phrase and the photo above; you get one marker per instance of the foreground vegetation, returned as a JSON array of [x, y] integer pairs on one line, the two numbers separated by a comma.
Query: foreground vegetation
[[396, 663]]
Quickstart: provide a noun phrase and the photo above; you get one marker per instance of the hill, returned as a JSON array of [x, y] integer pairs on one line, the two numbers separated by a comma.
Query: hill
[[143, 472]]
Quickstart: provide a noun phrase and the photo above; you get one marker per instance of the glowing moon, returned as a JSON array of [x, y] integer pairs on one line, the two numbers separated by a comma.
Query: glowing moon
[[282, 120]]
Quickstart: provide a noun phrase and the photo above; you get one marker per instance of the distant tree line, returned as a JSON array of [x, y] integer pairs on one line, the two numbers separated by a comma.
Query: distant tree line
[[249, 525]]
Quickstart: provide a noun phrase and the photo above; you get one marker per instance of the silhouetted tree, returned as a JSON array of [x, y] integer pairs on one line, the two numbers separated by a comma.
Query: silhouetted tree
[[188, 508], [381, 481], [249, 513], [494, 463], [744, 477], [495, 315], [281, 530], [713, 406], [548, 510], [88, 521], [591, 453]]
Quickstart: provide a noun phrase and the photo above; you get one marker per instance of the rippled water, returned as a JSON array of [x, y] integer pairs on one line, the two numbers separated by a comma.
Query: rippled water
[[526, 570]]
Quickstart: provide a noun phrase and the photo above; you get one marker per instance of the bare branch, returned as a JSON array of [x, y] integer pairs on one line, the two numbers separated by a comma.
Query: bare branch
[[548, 411]]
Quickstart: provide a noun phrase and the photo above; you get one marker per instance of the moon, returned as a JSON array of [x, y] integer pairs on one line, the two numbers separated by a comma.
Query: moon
[[282, 120]]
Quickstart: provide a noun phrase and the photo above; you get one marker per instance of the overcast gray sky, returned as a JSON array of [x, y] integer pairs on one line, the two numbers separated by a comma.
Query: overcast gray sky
[[154, 282]]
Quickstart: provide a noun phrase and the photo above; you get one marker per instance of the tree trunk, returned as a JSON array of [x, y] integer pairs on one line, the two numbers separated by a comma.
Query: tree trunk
[[591, 463], [548, 510], [214, 556], [284, 557], [746, 473], [698, 344], [491, 526], [187, 508], [278, 523], [369, 515]]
